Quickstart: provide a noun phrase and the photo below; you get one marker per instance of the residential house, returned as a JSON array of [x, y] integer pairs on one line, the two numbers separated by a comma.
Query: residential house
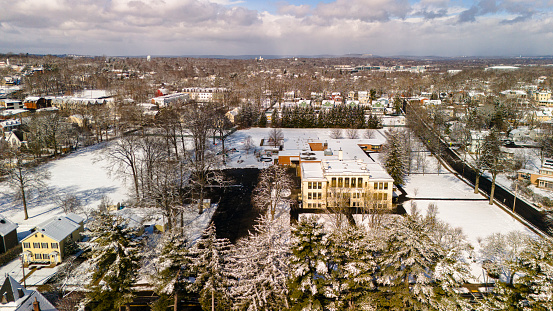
[[16, 138], [543, 179], [164, 101], [8, 234], [47, 243], [15, 297]]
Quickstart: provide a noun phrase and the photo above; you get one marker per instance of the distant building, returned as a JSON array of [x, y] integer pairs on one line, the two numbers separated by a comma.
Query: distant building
[[207, 95], [47, 244], [166, 100]]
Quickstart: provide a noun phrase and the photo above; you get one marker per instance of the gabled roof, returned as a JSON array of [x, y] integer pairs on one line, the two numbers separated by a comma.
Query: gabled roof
[[58, 228], [14, 297], [6, 226]]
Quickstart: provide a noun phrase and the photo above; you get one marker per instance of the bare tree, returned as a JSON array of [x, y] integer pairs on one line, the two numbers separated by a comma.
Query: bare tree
[[199, 122], [24, 178], [275, 137], [352, 133], [123, 157], [70, 203], [248, 144], [273, 189], [336, 133], [369, 134]]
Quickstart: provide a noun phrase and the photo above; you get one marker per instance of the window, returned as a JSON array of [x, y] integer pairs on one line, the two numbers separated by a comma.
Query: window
[[333, 182], [54, 245], [45, 256], [346, 184], [310, 195], [38, 256], [385, 196], [385, 186], [319, 205], [380, 185], [309, 205], [375, 186], [26, 245], [44, 245], [340, 182], [319, 195], [353, 182], [309, 185], [380, 196], [359, 182], [36, 245], [320, 185]]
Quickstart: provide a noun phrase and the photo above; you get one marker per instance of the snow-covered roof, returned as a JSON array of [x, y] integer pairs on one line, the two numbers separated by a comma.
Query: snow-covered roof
[[17, 298], [312, 171], [58, 228], [6, 226]]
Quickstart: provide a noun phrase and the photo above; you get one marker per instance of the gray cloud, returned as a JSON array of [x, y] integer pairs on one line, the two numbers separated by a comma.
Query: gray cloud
[[364, 10], [179, 27]]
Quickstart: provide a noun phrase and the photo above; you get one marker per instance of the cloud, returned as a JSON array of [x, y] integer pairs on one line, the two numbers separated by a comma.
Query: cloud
[[295, 10], [364, 10], [185, 27]]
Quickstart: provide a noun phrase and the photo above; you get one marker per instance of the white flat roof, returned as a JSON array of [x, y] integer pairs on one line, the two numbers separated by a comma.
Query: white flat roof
[[312, 171]]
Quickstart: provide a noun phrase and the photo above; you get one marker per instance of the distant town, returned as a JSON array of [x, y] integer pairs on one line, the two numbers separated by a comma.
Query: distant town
[[343, 183]]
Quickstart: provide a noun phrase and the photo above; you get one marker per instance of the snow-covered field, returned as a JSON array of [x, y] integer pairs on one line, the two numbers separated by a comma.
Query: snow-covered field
[[83, 173]]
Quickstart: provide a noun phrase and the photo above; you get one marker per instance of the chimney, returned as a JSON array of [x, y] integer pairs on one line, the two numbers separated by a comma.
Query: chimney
[[20, 292], [36, 306], [340, 154]]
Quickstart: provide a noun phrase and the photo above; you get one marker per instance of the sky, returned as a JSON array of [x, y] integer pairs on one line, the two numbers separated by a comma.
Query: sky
[[275, 27]]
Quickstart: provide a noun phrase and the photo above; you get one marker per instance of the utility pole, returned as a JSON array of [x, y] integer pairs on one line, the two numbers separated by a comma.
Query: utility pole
[[23, 268], [515, 199]]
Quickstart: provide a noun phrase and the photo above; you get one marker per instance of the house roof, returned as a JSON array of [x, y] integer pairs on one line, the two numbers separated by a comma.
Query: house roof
[[17, 298], [6, 226], [58, 228]]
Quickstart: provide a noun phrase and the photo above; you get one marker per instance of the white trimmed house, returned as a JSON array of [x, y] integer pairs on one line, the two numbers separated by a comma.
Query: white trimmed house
[[46, 245]]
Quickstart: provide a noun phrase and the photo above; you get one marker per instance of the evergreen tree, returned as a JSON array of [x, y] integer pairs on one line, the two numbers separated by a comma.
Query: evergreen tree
[[275, 119], [308, 269], [537, 278], [261, 267], [114, 262], [394, 157], [211, 257], [172, 269], [351, 269], [262, 122], [405, 278]]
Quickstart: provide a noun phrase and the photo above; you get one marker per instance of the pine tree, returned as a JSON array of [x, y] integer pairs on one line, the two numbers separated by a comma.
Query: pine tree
[[394, 157], [351, 269], [172, 269], [211, 257], [537, 280], [114, 262], [261, 267], [308, 269], [405, 278]]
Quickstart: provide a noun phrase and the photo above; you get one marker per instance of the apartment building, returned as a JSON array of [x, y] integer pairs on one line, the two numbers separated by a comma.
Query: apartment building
[[207, 95]]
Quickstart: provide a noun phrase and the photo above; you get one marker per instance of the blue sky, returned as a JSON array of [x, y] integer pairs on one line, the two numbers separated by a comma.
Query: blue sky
[[293, 27]]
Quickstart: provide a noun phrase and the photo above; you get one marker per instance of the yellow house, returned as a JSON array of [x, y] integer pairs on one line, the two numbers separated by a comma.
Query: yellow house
[[46, 245]]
